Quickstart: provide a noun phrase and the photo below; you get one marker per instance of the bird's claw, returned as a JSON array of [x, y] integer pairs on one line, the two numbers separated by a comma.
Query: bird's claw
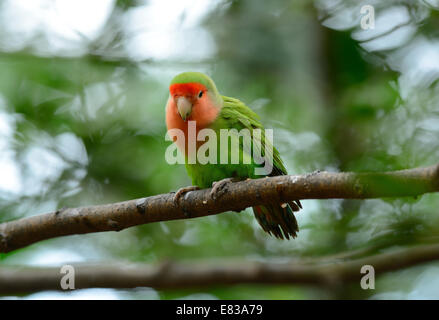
[[219, 186], [180, 192]]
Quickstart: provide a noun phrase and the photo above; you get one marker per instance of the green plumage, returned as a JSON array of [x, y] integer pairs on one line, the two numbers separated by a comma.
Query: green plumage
[[276, 219]]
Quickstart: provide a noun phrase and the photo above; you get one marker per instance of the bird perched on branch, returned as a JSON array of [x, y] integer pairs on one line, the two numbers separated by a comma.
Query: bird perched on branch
[[194, 101]]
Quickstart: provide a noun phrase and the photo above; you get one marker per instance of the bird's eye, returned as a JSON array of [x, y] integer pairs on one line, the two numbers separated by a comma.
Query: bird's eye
[[200, 94]]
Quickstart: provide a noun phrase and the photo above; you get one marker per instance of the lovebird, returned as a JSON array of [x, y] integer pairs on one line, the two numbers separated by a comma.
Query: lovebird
[[194, 98]]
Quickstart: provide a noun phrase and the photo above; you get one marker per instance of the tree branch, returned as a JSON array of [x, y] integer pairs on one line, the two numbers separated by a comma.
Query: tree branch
[[201, 274], [237, 196]]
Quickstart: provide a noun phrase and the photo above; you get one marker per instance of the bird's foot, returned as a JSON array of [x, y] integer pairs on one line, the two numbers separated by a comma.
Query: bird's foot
[[180, 192], [219, 187]]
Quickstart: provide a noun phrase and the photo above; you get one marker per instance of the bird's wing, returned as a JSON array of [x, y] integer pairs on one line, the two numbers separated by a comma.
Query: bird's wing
[[239, 116]]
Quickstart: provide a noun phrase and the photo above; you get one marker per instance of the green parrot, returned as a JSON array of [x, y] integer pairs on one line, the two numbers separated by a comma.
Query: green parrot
[[194, 99]]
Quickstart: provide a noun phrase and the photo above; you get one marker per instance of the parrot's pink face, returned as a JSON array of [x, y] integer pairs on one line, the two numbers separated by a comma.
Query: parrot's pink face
[[190, 102]]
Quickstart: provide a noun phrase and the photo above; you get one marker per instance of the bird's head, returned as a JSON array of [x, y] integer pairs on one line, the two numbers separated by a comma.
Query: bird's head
[[194, 96]]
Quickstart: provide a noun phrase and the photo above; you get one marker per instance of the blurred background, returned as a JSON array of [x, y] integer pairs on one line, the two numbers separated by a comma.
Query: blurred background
[[83, 87]]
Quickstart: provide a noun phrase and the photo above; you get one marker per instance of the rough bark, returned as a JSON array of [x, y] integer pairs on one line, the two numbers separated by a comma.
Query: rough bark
[[235, 197]]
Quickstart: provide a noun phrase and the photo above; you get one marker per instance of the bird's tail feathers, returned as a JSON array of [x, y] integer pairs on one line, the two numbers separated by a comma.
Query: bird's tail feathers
[[278, 219]]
